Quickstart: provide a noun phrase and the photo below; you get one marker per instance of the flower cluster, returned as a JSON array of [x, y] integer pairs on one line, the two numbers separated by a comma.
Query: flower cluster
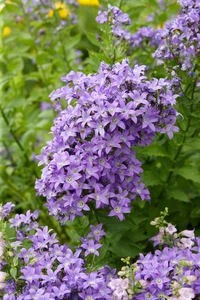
[[168, 234], [45, 9], [180, 39], [36, 266], [90, 243], [90, 159], [144, 37], [117, 20], [45, 269], [171, 273]]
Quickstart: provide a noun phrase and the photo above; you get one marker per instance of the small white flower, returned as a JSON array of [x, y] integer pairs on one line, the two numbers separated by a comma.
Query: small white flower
[[2, 276], [187, 243], [188, 233], [186, 293], [170, 229]]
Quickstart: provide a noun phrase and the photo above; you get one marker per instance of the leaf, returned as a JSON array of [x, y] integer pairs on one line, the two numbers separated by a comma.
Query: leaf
[[194, 143], [155, 150], [16, 65], [195, 213], [15, 261], [92, 38], [72, 42], [13, 272], [5, 80], [27, 137], [179, 195], [41, 58], [189, 172], [151, 178], [124, 248], [19, 102]]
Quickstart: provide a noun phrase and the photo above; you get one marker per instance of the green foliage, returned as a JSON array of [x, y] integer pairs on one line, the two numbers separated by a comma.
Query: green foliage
[[32, 58]]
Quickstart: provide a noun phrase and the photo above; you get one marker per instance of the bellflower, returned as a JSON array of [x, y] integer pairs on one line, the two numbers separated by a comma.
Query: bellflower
[[179, 40], [90, 159], [117, 21]]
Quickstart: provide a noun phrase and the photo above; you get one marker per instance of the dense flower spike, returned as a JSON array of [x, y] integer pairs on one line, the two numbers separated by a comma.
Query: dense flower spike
[[145, 36], [90, 159], [180, 39], [117, 20]]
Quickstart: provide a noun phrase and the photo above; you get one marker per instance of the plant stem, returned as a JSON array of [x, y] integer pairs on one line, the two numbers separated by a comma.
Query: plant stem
[[183, 139], [13, 134]]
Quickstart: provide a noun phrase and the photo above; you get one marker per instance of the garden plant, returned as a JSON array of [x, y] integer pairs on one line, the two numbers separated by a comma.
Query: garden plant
[[100, 147]]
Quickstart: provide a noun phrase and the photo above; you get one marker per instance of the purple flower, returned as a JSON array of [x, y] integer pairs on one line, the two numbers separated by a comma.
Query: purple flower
[[90, 158], [119, 208], [6, 209], [91, 247], [97, 233]]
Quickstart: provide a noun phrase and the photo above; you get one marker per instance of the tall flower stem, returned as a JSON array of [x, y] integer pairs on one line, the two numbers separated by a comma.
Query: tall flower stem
[[170, 174]]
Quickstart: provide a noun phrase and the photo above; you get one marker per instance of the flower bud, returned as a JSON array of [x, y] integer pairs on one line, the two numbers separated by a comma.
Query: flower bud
[[188, 233], [190, 279]]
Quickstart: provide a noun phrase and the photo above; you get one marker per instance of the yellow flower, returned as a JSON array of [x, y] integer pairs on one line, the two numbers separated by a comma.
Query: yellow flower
[[6, 31], [89, 2], [50, 13], [63, 11]]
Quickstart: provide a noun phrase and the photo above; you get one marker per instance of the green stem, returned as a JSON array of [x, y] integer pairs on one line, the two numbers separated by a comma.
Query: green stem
[[183, 140], [15, 191], [14, 135], [16, 139], [9, 154], [95, 215], [40, 69]]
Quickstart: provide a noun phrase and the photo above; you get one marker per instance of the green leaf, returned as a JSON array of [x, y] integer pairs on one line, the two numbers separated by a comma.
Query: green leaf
[[194, 143], [27, 137], [195, 213], [72, 42], [189, 172], [16, 65], [5, 80], [15, 261], [13, 272], [156, 150], [41, 58], [124, 248], [179, 195], [92, 38], [151, 178], [19, 102]]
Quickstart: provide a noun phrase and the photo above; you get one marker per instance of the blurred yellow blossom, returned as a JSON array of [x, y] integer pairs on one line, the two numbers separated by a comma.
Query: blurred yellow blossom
[[89, 2], [50, 13], [2, 6], [6, 31], [63, 11]]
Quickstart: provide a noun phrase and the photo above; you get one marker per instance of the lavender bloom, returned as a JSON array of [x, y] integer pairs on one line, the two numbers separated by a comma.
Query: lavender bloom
[[179, 40], [90, 157], [48, 270], [91, 247], [97, 232], [6, 209], [145, 37], [53, 271], [117, 21]]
